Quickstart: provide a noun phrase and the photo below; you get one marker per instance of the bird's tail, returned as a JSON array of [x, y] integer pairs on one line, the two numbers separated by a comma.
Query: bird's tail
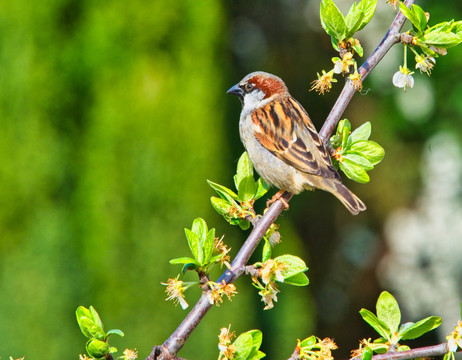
[[350, 200]]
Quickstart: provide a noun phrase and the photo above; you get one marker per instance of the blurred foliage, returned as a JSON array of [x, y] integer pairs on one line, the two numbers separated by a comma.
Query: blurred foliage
[[109, 111], [113, 116]]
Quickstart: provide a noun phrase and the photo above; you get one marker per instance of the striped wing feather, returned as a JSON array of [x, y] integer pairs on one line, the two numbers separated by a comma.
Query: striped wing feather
[[297, 142]]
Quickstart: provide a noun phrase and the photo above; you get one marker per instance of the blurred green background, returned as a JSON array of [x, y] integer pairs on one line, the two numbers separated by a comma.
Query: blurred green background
[[113, 115]]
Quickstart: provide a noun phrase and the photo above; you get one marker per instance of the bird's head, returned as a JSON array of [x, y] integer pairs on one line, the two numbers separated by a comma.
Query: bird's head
[[258, 88]]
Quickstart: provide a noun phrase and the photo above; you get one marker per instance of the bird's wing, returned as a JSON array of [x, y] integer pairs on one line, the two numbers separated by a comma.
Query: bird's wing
[[297, 142]]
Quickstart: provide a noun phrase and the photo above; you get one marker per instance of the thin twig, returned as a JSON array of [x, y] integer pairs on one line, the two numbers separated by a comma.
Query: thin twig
[[423, 352], [427, 351], [178, 338], [391, 38], [176, 341]]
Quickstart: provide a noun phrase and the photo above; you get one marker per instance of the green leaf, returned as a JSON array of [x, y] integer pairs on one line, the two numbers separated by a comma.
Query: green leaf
[[368, 8], [308, 342], [224, 192], [354, 19], [244, 169], [244, 224], [247, 188], [262, 188], [421, 24], [334, 43], [90, 323], [343, 124], [411, 15], [221, 206], [199, 227], [442, 39], [332, 20], [244, 346], [376, 324], [205, 240], [216, 258], [388, 311], [361, 133], [341, 136], [267, 251], [357, 160], [421, 327], [367, 353], [443, 27], [115, 332], [359, 49], [82, 311], [97, 348], [95, 317], [427, 50], [207, 246], [193, 242], [293, 265], [403, 348], [299, 279], [345, 138], [258, 355], [457, 27], [370, 150], [257, 338], [380, 346], [85, 325], [354, 172], [404, 327], [184, 260], [442, 35], [84, 321], [335, 141]]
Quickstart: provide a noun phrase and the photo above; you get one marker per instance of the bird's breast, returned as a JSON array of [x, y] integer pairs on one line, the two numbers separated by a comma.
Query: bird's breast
[[273, 170]]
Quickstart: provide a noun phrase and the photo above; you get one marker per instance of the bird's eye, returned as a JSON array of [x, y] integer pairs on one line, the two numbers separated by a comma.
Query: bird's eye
[[248, 87]]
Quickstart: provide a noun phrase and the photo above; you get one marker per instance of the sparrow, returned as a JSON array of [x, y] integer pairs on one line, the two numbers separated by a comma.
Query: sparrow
[[282, 142]]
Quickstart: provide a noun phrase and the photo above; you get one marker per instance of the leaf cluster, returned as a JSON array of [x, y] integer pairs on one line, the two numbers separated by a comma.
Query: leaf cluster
[[354, 153], [313, 348], [292, 272], [201, 242], [342, 28], [248, 346], [388, 325], [432, 40], [92, 327], [236, 207]]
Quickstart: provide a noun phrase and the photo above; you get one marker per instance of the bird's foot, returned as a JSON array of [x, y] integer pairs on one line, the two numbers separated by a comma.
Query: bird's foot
[[276, 197]]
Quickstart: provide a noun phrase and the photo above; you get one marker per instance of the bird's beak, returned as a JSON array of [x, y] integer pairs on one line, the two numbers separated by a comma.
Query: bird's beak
[[236, 90]]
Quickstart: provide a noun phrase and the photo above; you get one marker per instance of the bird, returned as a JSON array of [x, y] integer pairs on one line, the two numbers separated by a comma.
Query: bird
[[282, 142]]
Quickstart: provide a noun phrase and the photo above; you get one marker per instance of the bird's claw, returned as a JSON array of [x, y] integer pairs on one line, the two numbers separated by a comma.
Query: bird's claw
[[276, 197]]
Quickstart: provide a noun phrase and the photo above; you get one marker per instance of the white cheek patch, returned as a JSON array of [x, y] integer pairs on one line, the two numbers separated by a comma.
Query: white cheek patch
[[253, 100]]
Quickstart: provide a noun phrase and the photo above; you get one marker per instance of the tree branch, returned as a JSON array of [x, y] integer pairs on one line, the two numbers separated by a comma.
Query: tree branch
[[391, 38], [178, 338], [427, 351], [176, 341], [423, 352]]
